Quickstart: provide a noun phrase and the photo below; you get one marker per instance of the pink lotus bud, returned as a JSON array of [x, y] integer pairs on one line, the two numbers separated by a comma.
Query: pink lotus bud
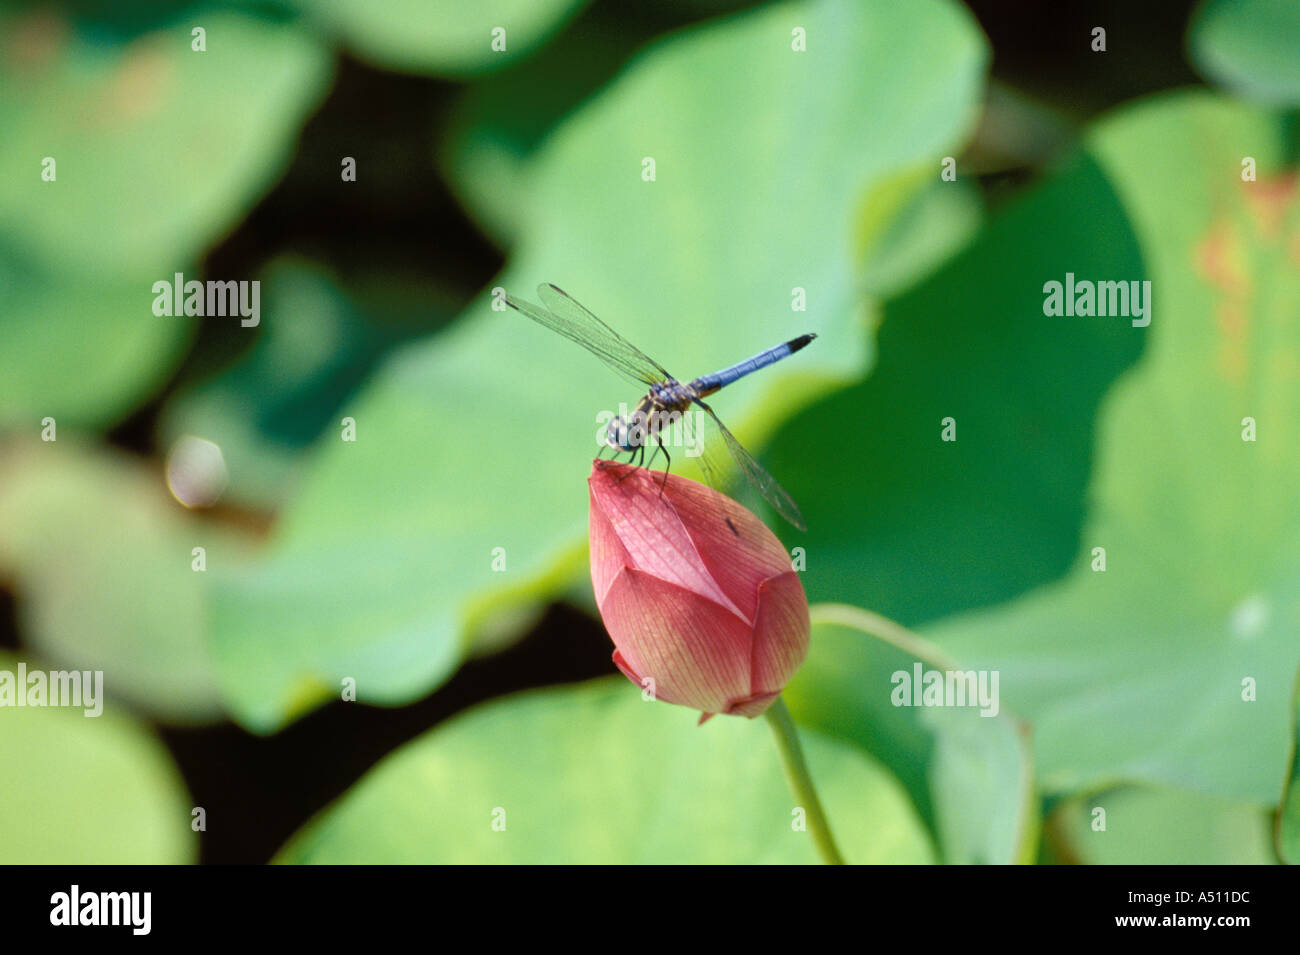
[[695, 591]]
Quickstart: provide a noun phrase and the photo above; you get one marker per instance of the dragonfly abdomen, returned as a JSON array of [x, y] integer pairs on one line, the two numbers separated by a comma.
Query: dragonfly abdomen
[[707, 384]]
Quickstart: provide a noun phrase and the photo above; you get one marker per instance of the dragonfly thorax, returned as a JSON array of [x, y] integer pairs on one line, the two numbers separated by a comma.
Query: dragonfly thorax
[[663, 405]]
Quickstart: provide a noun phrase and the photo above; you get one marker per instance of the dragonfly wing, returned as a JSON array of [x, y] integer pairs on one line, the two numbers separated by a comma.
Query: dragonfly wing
[[565, 316], [713, 463]]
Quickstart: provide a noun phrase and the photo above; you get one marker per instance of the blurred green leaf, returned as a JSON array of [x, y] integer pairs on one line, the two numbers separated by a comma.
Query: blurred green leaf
[[314, 349], [84, 352], [442, 37], [593, 774], [472, 448], [1157, 826], [1159, 668], [499, 122], [101, 558], [87, 790], [931, 226], [159, 149], [914, 527], [968, 774], [1252, 47]]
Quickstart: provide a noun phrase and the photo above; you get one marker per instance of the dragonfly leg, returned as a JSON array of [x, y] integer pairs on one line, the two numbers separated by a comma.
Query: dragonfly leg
[[661, 447], [640, 449], [602, 461]]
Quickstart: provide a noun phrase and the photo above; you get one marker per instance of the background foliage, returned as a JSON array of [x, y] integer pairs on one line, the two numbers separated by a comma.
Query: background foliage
[[373, 560]]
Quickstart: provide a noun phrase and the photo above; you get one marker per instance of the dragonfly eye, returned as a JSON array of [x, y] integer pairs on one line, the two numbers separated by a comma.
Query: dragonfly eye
[[616, 434]]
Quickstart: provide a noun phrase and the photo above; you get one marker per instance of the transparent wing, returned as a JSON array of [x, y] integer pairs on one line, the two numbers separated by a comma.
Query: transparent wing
[[564, 315], [716, 470]]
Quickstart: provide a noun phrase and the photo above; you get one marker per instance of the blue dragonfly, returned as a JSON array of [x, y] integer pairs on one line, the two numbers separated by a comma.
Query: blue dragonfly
[[668, 399]]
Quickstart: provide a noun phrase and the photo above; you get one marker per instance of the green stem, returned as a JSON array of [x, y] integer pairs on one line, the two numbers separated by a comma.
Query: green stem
[[801, 784]]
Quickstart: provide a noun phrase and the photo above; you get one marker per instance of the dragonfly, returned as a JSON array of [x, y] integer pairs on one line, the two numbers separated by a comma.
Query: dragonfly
[[668, 398]]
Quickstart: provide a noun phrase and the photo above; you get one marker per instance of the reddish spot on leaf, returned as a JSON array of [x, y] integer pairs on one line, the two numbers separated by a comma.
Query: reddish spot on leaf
[[35, 42], [139, 88], [1221, 262], [1269, 201], [1225, 258], [1218, 259]]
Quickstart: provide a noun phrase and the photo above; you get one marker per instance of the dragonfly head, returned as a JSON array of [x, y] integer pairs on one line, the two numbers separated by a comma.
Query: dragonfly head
[[625, 435]]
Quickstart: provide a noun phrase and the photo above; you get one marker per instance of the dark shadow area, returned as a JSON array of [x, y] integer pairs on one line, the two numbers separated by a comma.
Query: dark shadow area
[[1047, 47], [8, 621]]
